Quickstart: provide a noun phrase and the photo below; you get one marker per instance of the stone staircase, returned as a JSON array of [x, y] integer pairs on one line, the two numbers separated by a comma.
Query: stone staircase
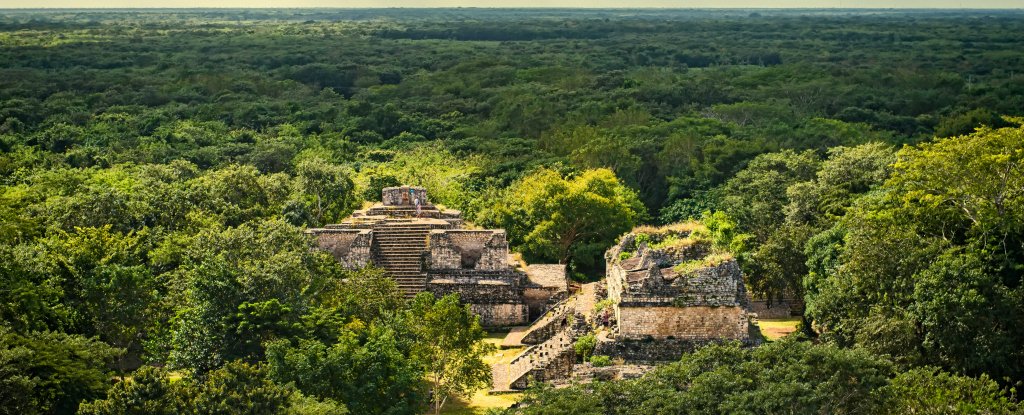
[[556, 332], [399, 248], [551, 322], [542, 362]]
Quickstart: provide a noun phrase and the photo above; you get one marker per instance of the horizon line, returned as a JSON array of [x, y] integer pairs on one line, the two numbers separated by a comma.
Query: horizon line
[[910, 8]]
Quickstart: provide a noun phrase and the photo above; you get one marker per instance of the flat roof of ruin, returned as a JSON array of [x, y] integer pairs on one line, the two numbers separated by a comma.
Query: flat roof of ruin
[[547, 275]]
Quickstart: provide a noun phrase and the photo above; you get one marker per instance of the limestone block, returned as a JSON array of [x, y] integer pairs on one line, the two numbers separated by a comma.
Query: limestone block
[[501, 315], [695, 323]]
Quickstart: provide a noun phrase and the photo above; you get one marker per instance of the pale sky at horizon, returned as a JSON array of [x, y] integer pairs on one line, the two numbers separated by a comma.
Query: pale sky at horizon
[[929, 4]]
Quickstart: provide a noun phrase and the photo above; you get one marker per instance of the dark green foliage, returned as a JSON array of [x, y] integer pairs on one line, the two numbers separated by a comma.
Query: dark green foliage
[[932, 391], [781, 200], [756, 196], [50, 372], [362, 368], [157, 169], [789, 376], [236, 388], [927, 269], [148, 392], [243, 287]]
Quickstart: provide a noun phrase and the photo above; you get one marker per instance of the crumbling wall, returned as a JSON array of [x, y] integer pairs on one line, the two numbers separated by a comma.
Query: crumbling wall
[[468, 249], [558, 319], [696, 322], [719, 285], [351, 247]]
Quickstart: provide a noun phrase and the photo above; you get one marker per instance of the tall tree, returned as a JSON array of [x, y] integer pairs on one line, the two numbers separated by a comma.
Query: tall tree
[[449, 345], [51, 372], [364, 369], [329, 189], [568, 220]]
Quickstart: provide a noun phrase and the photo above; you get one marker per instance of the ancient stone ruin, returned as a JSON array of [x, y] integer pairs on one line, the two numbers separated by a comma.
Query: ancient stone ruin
[[425, 248], [669, 293], [672, 294]]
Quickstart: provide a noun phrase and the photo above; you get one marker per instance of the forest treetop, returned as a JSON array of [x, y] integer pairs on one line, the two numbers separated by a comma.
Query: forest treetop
[[157, 169]]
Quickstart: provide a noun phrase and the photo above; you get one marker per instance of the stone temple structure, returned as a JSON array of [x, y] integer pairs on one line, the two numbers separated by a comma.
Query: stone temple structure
[[426, 248], [671, 294], [668, 293]]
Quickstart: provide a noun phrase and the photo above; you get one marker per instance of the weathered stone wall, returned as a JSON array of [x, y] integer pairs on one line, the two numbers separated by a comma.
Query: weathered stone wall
[[615, 281], [559, 367], [496, 296], [351, 247], [399, 196], [648, 350], [540, 299], [468, 249], [555, 321], [474, 290], [501, 315], [777, 308], [696, 322], [720, 285]]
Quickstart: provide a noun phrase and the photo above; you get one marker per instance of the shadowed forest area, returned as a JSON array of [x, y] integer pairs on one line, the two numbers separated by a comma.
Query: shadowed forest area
[[158, 168]]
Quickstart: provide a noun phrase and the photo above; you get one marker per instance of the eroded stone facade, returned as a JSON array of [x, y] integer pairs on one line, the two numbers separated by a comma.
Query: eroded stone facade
[[670, 298]]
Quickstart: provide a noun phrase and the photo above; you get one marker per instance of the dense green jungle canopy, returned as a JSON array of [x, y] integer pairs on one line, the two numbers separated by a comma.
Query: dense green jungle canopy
[[158, 167]]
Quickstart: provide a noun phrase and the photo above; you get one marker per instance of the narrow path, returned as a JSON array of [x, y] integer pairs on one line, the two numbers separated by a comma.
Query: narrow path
[[586, 299]]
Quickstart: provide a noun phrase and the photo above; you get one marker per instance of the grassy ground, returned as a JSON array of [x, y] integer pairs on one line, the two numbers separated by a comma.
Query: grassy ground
[[481, 401], [776, 328]]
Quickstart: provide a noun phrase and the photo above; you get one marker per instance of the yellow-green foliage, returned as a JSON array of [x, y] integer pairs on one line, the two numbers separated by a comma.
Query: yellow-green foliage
[[668, 230], [603, 304], [712, 260], [671, 237], [600, 360]]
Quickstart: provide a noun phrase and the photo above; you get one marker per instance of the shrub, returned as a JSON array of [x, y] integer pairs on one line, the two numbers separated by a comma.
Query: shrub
[[585, 345], [600, 360]]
